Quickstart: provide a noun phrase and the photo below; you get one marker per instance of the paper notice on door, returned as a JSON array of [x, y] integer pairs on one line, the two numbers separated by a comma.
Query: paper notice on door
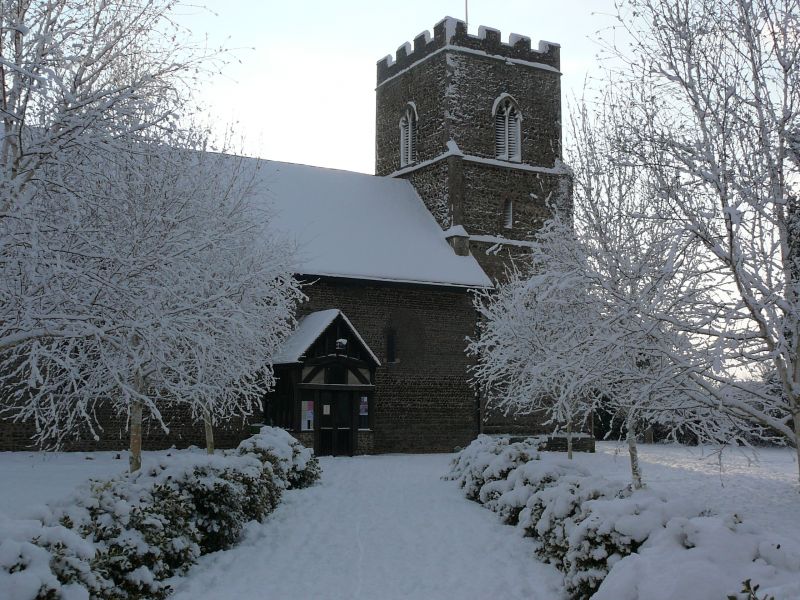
[[326, 409]]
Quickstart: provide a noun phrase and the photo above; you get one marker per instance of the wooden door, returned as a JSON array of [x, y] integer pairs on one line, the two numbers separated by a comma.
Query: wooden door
[[335, 423]]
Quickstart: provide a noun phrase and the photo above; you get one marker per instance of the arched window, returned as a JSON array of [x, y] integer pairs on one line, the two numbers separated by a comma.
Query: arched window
[[507, 121], [508, 214], [408, 136]]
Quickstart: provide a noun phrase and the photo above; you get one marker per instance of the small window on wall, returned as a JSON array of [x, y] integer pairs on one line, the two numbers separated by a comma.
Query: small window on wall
[[508, 214], [363, 412], [391, 346], [408, 136]]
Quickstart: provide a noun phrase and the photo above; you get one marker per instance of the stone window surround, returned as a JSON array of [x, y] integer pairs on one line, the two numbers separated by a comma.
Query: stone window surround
[[408, 135]]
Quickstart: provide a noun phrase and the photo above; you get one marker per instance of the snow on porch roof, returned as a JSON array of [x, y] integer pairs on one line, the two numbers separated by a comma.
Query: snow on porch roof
[[361, 226], [309, 328]]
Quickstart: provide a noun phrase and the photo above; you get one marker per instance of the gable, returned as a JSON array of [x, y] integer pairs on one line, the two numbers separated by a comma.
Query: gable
[[316, 335]]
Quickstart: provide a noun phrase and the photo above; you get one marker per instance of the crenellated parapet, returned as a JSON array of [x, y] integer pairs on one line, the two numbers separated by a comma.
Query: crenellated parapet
[[450, 32]]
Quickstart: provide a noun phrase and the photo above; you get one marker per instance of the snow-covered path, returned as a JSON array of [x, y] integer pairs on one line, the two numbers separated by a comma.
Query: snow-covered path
[[376, 527]]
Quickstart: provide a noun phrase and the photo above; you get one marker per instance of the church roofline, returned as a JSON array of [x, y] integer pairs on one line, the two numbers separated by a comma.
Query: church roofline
[[366, 279]]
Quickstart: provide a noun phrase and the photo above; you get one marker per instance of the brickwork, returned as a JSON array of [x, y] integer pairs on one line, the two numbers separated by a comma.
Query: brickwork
[[487, 189], [495, 421], [475, 83], [454, 80], [365, 442], [305, 437], [425, 88], [431, 184], [473, 195], [113, 433], [454, 83], [583, 443], [423, 402]]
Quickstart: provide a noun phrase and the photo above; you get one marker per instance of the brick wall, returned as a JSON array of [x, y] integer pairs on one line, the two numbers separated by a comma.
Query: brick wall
[[113, 433], [423, 402], [424, 87], [454, 79], [454, 82]]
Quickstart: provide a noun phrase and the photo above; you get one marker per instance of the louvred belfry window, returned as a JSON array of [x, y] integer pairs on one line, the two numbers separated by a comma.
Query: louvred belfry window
[[507, 122], [408, 137]]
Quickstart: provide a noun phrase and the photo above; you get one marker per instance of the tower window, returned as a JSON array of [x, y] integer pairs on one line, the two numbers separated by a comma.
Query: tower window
[[508, 214], [391, 346], [507, 121], [408, 136]]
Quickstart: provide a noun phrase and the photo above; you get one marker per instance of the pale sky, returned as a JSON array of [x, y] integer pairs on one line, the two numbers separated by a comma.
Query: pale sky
[[304, 90]]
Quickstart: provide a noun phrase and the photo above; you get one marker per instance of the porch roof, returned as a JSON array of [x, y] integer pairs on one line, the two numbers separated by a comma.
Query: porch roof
[[309, 328]]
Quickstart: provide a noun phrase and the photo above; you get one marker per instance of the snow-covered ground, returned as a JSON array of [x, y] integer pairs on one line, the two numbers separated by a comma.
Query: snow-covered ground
[[763, 491], [376, 527], [28, 480], [389, 527]]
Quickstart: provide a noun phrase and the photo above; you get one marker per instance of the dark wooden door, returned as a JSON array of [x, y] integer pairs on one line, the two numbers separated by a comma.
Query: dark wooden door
[[335, 423]]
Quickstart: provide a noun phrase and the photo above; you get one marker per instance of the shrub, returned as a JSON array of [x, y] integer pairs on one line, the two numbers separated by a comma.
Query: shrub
[[707, 557], [218, 495], [295, 464], [489, 459], [613, 543], [41, 562], [122, 539], [144, 531], [521, 483]]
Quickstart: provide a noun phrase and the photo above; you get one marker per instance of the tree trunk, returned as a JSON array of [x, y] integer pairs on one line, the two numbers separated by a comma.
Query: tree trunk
[[209, 427], [633, 451], [649, 436], [797, 441], [136, 423], [136, 436], [569, 439]]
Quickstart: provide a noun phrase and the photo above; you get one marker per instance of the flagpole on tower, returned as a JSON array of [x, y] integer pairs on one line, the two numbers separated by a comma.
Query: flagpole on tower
[[466, 14]]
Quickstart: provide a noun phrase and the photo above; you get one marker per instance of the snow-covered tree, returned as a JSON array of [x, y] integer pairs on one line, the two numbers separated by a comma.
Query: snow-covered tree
[[136, 274], [531, 349], [713, 119], [77, 78], [585, 322], [188, 290]]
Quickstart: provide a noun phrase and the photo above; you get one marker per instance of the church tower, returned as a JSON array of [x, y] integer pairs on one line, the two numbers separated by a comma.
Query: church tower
[[474, 123]]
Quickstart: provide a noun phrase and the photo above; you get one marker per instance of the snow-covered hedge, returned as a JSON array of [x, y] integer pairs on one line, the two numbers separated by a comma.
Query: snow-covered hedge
[[488, 459], [296, 463], [41, 562], [511, 497], [706, 557], [121, 539], [615, 543]]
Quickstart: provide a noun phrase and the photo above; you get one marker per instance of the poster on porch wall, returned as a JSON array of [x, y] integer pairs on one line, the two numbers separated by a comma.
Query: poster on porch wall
[[364, 408], [308, 415]]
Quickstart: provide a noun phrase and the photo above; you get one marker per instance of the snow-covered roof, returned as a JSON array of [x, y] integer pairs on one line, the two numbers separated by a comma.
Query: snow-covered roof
[[361, 226], [309, 328]]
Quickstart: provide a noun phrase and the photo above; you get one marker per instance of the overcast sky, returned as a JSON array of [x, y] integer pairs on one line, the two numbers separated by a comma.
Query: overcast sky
[[305, 88]]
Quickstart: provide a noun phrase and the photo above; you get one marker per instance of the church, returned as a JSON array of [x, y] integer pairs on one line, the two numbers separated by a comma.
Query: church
[[468, 166]]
